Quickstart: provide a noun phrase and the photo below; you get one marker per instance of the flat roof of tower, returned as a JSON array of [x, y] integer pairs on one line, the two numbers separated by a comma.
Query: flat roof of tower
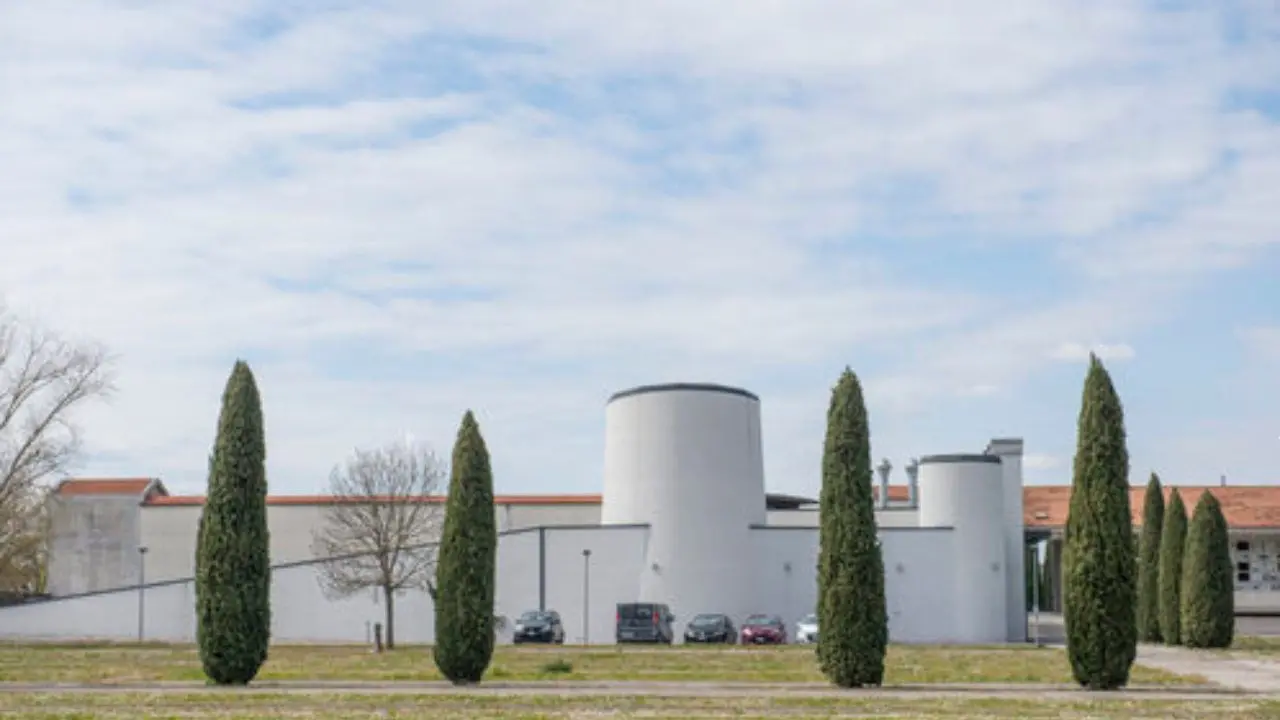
[[680, 386], [960, 458]]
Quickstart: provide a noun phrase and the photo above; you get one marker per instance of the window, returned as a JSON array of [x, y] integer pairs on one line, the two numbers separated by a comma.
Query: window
[[1243, 546]]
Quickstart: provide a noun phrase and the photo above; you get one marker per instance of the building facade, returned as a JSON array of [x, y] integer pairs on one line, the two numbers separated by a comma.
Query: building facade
[[683, 519]]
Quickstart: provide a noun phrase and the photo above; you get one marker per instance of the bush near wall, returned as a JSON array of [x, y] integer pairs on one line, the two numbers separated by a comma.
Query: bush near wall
[[467, 563], [1208, 593], [1099, 572], [1149, 562], [1173, 539], [233, 560], [851, 596]]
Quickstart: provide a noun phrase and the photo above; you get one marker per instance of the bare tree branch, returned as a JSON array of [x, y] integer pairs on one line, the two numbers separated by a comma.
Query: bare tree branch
[[381, 528], [43, 380]]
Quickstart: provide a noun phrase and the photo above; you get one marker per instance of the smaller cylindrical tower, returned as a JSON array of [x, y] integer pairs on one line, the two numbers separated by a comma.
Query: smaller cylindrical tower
[[966, 493]]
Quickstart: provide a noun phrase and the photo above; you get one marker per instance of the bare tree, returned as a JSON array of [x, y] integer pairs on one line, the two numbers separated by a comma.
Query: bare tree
[[381, 529], [43, 380], [24, 548]]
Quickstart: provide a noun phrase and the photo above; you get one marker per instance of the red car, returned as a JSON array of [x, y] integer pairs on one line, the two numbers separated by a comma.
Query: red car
[[764, 630]]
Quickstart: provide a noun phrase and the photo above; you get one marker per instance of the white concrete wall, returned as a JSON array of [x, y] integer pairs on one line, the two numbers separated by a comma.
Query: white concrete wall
[[616, 565], [688, 463], [169, 532], [918, 572], [93, 543], [301, 611], [1009, 450], [806, 517]]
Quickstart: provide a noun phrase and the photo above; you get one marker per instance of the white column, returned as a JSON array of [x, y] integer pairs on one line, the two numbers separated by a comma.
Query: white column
[[1009, 450]]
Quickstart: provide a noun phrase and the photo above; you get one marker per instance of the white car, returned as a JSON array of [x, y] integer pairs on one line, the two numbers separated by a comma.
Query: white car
[[807, 629]]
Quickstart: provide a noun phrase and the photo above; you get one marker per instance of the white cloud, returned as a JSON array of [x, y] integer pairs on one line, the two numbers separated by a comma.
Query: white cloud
[[1263, 341], [1073, 351], [531, 255]]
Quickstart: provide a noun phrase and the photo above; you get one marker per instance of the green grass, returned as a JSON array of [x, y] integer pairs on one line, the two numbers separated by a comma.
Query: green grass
[[225, 705], [906, 664], [1264, 645]]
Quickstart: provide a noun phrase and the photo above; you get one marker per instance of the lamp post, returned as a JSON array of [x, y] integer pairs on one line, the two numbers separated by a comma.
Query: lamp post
[[586, 596], [142, 589]]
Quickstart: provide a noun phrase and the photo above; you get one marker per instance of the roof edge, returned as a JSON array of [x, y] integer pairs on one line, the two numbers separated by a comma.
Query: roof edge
[[960, 458], [683, 387]]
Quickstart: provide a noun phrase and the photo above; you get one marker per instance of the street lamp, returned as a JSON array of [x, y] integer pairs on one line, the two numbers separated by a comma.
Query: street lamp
[[142, 588], [586, 596]]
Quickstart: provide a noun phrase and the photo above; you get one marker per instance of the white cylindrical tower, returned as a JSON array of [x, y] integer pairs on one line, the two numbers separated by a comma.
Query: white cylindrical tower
[[686, 459], [966, 493]]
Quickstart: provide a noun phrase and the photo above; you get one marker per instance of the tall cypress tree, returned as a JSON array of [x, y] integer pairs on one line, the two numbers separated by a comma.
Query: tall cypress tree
[[851, 597], [1173, 539], [233, 558], [1149, 562], [1208, 592], [468, 559], [1099, 575]]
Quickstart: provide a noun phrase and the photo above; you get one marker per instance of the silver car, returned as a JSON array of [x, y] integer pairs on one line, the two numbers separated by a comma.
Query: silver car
[[807, 629]]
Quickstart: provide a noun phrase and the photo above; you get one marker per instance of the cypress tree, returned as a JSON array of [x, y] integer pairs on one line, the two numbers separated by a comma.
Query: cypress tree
[[1173, 538], [1149, 562], [233, 559], [468, 559], [851, 597], [1099, 578], [1208, 592]]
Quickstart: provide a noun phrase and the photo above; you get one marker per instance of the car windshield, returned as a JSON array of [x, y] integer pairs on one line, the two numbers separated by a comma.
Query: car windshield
[[640, 613], [705, 621], [810, 619], [763, 620], [534, 616]]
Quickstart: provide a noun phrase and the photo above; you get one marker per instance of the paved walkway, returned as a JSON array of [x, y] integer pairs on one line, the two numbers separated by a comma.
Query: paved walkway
[[1256, 676], [658, 689]]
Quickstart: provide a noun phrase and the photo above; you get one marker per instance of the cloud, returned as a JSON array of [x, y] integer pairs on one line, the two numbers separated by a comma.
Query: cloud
[[397, 212], [1263, 341], [1071, 351]]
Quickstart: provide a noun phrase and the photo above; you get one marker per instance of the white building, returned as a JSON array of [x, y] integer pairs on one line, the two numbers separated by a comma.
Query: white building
[[683, 519]]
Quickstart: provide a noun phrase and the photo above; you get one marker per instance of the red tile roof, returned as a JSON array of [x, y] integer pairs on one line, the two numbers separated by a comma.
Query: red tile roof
[[104, 486], [190, 500], [1044, 506], [1245, 506]]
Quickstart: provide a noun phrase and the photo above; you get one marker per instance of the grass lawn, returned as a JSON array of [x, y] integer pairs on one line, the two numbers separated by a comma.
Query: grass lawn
[[1269, 645], [907, 664], [223, 705]]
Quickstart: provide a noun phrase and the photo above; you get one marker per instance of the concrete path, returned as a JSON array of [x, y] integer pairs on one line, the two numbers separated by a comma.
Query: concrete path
[[658, 689], [1256, 676]]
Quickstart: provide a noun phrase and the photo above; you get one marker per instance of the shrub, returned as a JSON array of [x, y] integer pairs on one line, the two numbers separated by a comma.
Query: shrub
[[851, 599], [1099, 575], [233, 559], [557, 667], [464, 596], [1149, 562], [1173, 538], [1208, 592]]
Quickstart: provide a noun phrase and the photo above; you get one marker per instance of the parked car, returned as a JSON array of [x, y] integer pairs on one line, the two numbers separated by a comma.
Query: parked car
[[539, 626], [807, 629], [764, 630], [711, 628], [644, 623]]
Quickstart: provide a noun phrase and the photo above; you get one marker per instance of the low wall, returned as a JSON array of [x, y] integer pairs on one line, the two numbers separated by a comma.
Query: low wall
[[302, 613]]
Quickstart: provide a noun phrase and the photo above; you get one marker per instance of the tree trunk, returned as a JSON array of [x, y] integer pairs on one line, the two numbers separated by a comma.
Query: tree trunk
[[390, 595]]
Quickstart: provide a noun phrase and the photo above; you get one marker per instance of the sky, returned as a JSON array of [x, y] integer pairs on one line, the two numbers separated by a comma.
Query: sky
[[396, 211]]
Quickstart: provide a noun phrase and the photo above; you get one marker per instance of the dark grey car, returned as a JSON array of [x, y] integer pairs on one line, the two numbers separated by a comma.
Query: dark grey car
[[539, 626], [644, 623]]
